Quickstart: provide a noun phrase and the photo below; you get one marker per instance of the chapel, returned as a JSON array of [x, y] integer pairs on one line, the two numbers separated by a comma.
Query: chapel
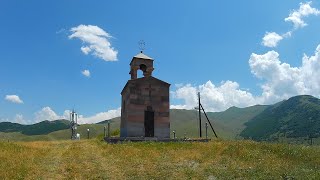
[[145, 102]]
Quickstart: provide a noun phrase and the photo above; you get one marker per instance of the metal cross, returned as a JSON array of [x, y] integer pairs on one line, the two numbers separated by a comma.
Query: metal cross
[[142, 45]]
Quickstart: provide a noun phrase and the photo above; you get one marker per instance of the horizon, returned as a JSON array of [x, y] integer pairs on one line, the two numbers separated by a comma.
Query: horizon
[[65, 118], [58, 56]]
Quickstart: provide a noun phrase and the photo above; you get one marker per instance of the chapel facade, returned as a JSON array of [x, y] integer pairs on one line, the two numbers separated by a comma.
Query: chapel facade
[[145, 102]]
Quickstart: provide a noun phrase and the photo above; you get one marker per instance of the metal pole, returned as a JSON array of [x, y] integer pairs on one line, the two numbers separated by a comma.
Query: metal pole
[[209, 122], [108, 129], [200, 131], [206, 130], [88, 130], [104, 131]]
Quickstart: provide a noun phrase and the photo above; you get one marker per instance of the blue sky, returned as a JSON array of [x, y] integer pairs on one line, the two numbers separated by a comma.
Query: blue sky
[[215, 47]]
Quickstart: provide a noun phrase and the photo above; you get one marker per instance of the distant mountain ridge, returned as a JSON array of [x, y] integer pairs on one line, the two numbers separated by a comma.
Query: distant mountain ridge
[[296, 117], [43, 127]]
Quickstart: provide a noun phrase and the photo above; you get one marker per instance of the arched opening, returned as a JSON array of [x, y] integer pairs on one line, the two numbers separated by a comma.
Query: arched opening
[[142, 69], [139, 74]]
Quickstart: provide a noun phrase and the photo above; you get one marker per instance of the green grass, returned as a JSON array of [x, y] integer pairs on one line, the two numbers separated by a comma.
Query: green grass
[[93, 159], [95, 130]]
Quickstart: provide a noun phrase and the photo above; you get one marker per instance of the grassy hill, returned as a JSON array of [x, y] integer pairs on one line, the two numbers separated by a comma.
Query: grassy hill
[[296, 117], [234, 118], [94, 159], [95, 130], [293, 119], [44, 127]]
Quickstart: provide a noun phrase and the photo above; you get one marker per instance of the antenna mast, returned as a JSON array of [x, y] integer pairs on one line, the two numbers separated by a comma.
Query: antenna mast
[[73, 124]]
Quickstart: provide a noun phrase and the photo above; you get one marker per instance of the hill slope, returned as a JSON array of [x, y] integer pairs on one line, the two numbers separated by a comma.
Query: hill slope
[[41, 128], [296, 117], [234, 117], [214, 160]]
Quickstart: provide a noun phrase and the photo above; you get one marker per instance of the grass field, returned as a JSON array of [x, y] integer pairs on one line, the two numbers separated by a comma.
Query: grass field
[[93, 159]]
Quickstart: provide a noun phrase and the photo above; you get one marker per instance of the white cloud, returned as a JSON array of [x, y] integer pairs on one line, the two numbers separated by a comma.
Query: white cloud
[[47, 113], [100, 116], [283, 81], [85, 50], [96, 41], [280, 81], [86, 73], [213, 98], [271, 39], [14, 99], [20, 119], [296, 17]]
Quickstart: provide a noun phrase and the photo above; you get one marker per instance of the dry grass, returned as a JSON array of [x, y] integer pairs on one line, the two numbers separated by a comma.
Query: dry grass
[[215, 160]]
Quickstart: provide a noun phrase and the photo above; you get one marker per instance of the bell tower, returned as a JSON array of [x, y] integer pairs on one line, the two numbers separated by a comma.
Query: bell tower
[[141, 62]]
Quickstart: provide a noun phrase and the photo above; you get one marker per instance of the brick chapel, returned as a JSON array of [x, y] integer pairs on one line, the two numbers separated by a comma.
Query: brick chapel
[[145, 102]]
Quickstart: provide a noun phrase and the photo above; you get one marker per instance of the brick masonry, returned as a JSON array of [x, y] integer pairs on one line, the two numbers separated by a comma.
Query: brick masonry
[[144, 94]]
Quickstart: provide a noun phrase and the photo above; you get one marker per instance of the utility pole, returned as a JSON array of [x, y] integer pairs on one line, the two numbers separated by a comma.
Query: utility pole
[[206, 130], [200, 107], [109, 129], [199, 103]]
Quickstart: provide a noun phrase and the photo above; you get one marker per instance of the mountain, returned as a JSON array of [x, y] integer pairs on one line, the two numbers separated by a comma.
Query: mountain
[[296, 117], [43, 127], [227, 124], [234, 117]]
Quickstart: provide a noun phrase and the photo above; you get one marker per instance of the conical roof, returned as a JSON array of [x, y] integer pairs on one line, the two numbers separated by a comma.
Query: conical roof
[[142, 56]]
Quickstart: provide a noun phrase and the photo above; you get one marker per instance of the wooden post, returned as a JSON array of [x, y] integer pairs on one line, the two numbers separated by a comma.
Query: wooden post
[[200, 131], [208, 121], [108, 129], [206, 130]]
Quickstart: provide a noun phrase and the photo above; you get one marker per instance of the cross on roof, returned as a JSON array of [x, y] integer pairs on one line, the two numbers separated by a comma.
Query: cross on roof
[[142, 45]]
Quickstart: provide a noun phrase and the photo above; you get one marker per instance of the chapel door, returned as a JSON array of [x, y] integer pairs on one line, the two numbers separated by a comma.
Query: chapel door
[[149, 123]]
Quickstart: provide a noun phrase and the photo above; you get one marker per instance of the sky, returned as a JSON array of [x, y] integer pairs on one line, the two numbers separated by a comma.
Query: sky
[[56, 56]]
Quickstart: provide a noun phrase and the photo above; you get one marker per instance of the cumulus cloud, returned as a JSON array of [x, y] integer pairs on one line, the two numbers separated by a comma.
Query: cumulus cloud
[[14, 99], [86, 73], [280, 81], [296, 16], [271, 39], [214, 98], [85, 50], [20, 119], [47, 113], [100, 116], [96, 41]]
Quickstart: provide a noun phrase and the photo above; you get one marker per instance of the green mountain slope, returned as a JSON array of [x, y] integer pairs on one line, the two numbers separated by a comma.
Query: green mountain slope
[[296, 117], [234, 117], [41, 128]]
